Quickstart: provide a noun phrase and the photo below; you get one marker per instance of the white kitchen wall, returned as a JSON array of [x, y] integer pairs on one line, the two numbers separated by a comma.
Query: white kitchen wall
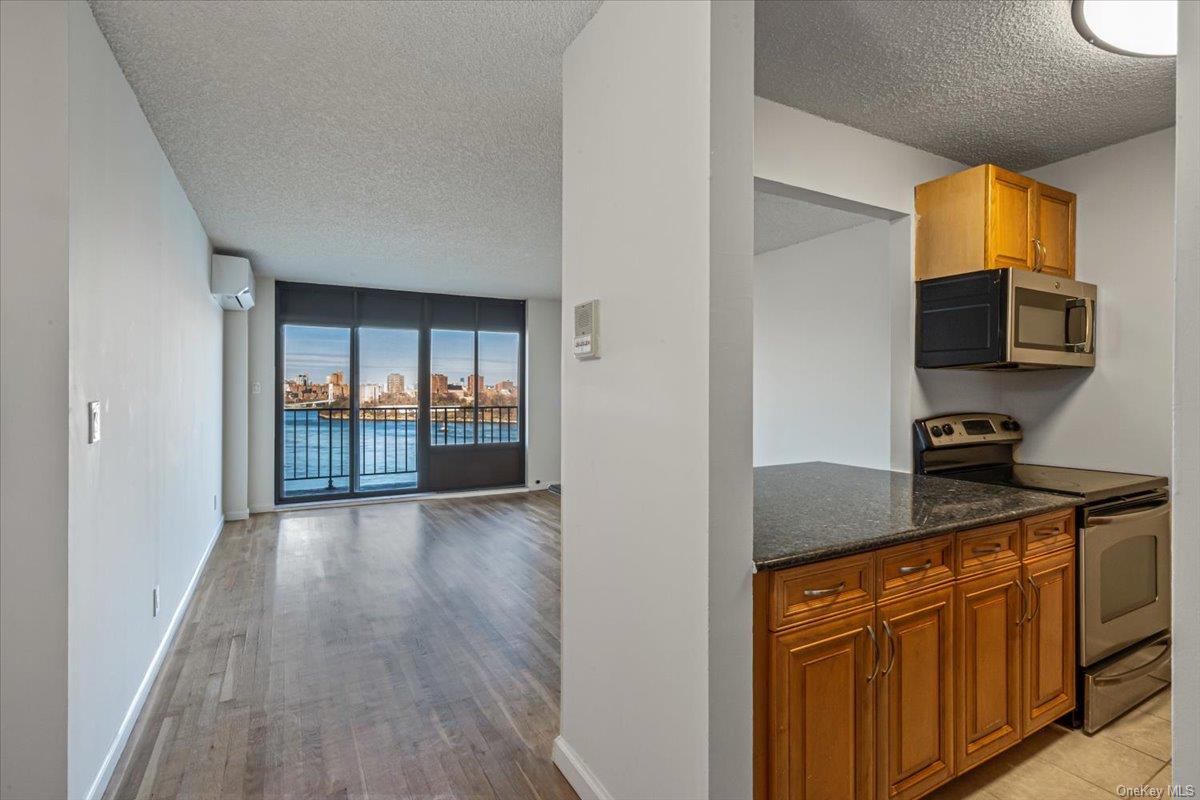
[[543, 393], [1118, 415], [33, 400], [822, 358], [1186, 435], [145, 341], [669, 256]]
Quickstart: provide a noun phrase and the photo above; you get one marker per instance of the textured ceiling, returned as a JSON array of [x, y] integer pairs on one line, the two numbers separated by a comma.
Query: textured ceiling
[[784, 221], [412, 145], [976, 81]]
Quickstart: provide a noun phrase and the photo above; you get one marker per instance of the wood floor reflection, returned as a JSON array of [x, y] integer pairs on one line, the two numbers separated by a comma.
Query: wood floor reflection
[[400, 650]]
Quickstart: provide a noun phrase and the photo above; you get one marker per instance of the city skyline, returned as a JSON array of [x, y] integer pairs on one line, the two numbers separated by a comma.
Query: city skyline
[[320, 351]]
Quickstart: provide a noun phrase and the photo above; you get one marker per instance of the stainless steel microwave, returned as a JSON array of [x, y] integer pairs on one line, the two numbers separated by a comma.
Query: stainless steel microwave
[[1005, 319]]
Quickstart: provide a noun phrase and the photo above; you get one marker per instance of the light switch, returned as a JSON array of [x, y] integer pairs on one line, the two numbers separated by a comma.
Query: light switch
[[93, 422], [256, 388]]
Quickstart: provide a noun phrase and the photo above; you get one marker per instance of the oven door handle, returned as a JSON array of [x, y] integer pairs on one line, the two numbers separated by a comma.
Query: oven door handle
[[1128, 516], [1138, 672]]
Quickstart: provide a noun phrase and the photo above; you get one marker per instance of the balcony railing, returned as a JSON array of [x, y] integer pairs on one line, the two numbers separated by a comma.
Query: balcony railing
[[450, 425], [316, 443]]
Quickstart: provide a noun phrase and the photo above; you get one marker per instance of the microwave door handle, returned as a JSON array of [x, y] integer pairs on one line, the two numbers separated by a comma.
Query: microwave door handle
[[1088, 307]]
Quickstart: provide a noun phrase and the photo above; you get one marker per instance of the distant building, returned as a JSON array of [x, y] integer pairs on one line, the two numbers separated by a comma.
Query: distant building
[[438, 383], [506, 386], [474, 384], [369, 392], [395, 383], [302, 379], [336, 379]]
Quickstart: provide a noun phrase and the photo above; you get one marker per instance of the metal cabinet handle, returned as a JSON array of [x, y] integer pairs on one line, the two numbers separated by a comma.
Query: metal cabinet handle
[[1052, 530], [887, 629], [1037, 598], [1024, 602], [980, 549], [1039, 255], [825, 592], [875, 646], [918, 568]]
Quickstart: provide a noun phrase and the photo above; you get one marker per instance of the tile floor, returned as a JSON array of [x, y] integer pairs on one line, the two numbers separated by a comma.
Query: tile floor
[[1061, 764]]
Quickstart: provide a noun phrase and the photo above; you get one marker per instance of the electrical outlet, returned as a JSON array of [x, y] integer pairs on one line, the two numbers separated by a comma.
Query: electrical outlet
[[256, 388], [156, 601]]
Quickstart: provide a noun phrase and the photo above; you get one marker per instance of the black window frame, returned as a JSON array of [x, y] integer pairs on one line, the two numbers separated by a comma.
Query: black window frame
[[298, 303]]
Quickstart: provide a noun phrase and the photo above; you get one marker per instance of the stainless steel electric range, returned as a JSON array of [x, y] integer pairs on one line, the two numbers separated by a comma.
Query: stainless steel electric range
[[1124, 551]]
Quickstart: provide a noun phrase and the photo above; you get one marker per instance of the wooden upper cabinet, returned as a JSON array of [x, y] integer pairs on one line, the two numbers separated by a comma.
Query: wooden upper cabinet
[[1048, 640], [987, 217], [1011, 219], [987, 617], [1056, 230], [821, 710], [915, 704]]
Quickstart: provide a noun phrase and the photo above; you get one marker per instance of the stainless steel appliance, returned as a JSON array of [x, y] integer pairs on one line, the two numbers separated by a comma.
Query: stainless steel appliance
[[1005, 319], [1124, 554]]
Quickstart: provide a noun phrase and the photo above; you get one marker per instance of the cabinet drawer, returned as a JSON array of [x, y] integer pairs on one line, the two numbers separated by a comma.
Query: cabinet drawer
[[817, 590], [914, 565], [1048, 532], [988, 548]]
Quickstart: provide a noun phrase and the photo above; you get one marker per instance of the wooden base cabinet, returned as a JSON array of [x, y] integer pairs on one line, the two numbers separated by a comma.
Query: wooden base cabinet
[[987, 638], [822, 709], [1048, 640], [915, 710], [932, 658]]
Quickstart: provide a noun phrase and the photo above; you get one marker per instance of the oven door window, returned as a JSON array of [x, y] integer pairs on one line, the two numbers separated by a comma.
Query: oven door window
[[1128, 576], [1048, 321]]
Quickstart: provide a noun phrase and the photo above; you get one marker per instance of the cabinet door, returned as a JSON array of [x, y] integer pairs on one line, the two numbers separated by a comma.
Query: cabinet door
[[1048, 640], [1011, 225], [1056, 230], [822, 711], [987, 616], [916, 694]]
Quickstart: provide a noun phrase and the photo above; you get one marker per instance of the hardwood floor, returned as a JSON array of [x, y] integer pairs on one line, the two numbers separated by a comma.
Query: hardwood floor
[[401, 650]]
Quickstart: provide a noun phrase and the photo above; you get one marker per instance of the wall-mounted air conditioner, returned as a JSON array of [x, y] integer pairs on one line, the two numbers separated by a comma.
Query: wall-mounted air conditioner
[[232, 282]]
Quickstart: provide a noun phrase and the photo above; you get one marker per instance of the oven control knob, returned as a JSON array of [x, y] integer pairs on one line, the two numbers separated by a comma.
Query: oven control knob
[[1006, 424], [947, 429], [935, 430], [1014, 426]]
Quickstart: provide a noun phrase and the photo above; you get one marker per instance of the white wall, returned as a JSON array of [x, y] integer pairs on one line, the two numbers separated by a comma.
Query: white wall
[[669, 257], [261, 332], [822, 360], [543, 391], [1186, 435], [33, 400], [145, 341], [235, 440], [1125, 245]]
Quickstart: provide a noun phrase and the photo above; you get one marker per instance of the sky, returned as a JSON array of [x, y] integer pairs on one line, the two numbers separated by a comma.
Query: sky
[[318, 351]]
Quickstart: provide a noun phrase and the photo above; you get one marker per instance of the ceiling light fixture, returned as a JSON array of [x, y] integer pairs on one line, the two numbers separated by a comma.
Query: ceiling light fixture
[[1129, 27]]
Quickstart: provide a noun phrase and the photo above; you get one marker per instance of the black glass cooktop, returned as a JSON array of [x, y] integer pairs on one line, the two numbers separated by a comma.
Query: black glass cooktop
[[1089, 484]]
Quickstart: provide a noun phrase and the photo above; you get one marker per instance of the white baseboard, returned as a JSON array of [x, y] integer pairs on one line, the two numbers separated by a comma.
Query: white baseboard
[[104, 774], [239, 514], [582, 780]]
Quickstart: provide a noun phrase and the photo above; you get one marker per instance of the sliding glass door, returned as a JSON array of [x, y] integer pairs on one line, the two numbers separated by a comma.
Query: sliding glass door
[[387, 409], [391, 392], [316, 411]]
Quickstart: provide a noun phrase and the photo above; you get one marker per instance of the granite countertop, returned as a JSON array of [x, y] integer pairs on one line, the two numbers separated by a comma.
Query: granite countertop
[[816, 510]]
